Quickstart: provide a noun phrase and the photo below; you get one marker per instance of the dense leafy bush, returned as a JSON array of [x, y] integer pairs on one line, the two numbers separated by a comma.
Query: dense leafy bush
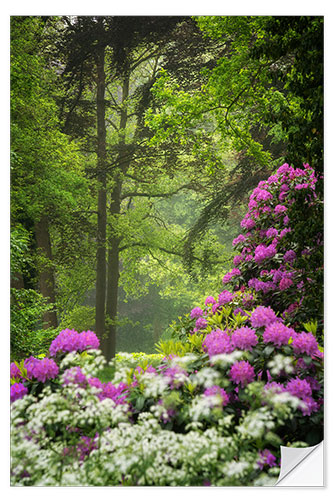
[[27, 306]]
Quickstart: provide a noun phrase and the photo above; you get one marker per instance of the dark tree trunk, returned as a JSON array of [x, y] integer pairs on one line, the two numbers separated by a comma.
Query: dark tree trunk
[[46, 274], [113, 254], [101, 222], [113, 279]]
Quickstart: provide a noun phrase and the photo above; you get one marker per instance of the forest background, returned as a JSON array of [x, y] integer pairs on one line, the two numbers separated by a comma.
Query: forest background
[[105, 125]]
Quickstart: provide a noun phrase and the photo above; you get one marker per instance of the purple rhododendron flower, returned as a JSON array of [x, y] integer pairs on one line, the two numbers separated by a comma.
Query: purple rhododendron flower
[[71, 340], [196, 312], [215, 390], [263, 195], [118, 393], [240, 238], [217, 342], [237, 260], [247, 223], [215, 308], [305, 185], [299, 388], [29, 364], [225, 297], [244, 338], [285, 283], [284, 232], [266, 458], [209, 300], [283, 169], [278, 334], [87, 340], [280, 209], [305, 343], [262, 316], [95, 382], [201, 323], [311, 406], [272, 179], [14, 371], [242, 372], [42, 369], [272, 232], [289, 256], [17, 391], [262, 252], [234, 272]]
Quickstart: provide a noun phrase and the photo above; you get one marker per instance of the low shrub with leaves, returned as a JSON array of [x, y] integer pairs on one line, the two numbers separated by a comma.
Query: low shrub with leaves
[[214, 417]]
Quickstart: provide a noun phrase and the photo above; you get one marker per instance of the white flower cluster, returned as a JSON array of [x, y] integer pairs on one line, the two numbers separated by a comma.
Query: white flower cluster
[[281, 364]]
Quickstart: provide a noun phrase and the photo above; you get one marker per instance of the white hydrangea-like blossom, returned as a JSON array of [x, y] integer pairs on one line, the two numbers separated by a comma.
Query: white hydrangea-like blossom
[[207, 377], [280, 364]]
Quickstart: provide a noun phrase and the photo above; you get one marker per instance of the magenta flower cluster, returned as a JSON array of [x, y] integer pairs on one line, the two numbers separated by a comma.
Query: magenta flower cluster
[[70, 340], [39, 369], [262, 316], [217, 342], [266, 458], [305, 343], [268, 239], [242, 372], [215, 390], [278, 334], [17, 391], [244, 338], [197, 312]]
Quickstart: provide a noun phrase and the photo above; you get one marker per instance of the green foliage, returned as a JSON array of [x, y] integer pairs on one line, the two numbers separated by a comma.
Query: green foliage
[[171, 346], [80, 318], [27, 306]]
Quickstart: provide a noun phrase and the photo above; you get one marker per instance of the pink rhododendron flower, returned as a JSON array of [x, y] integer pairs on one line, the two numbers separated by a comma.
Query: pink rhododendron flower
[[217, 342], [225, 297], [266, 458], [244, 338], [262, 316], [197, 312], [242, 373], [17, 391], [278, 334], [209, 300], [201, 323], [305, 343]]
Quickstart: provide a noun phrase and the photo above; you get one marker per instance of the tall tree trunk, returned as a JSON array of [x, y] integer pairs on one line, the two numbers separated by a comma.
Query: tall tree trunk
[[113, 278], [113, 254], [46, 275], [101, 222]]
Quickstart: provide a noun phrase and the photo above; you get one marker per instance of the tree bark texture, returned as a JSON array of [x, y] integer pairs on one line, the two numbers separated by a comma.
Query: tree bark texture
[[46, 274], [101, 218], [114, 241], [113, 279]]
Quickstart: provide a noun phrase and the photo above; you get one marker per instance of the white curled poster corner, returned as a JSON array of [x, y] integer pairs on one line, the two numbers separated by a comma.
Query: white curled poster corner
[[302, 466]]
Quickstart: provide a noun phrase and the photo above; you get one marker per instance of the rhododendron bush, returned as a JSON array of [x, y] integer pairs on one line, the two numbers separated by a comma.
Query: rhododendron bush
[[243, 376]]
